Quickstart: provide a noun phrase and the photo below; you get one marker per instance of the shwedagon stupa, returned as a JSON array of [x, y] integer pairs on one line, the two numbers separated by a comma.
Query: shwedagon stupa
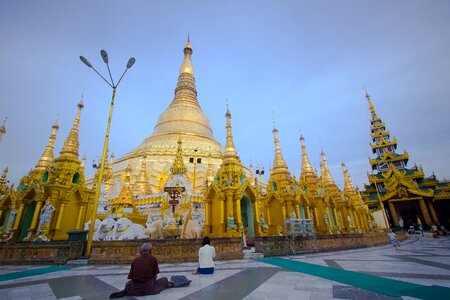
[[181, 182]]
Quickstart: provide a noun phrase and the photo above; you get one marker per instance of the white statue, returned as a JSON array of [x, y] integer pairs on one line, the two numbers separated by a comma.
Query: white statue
[[46, 215], [127, 230], [105, 231], [154, 229], [96, 226], [193, 230]]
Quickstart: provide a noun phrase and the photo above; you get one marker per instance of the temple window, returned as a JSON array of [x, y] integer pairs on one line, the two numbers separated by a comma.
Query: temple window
[[45, 176], [76, 178]]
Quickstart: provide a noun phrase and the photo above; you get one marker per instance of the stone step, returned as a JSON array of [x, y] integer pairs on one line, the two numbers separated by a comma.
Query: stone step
[[253, 255], [77, 262], [250, 253]]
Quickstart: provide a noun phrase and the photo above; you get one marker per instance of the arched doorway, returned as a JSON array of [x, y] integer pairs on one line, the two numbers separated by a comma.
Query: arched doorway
[[247, 217], [28, 216]]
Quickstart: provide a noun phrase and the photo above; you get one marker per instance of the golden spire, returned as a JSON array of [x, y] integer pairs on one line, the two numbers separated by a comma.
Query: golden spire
[[47, 156], [348, 185], [126, 177], [3, 129], [83, 161], [230, 150], [186, 67], [178, 164], [186, 92], [141, 185], [3, 178], [184, 114], [325, 172], [71, 145], [306, 165], [252, 174], [372, 109], [349, 190], [278, 161]]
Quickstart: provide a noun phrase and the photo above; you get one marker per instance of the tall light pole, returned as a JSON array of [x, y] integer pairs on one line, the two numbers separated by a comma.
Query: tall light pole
[[195, 160], [130, 63]]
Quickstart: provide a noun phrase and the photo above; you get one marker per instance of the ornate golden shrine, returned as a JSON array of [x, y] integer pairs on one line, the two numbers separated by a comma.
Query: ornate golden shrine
[[405, 194], [222, 195]]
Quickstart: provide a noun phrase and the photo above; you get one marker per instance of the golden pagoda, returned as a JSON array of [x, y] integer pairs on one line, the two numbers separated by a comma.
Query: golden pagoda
[[183, 119], [405, 195], [53, 198], [232, 205], [281, 202]]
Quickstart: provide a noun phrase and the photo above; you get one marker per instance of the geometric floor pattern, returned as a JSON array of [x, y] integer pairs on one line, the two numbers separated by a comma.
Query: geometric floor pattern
[[421, 261]]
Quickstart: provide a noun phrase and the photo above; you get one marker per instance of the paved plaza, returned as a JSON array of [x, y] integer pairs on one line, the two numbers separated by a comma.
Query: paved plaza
[[420, 269]]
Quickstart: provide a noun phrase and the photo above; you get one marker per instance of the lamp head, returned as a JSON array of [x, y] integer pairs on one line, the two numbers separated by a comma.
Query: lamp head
[[85, 61], [104, 56], [131, 62]]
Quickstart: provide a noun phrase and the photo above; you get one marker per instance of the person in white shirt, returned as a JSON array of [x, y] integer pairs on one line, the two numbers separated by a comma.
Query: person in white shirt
[[393, 239], [205, 258]]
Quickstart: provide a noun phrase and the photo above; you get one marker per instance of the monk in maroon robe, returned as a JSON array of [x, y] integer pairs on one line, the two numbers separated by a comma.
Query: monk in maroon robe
[[143, 275]]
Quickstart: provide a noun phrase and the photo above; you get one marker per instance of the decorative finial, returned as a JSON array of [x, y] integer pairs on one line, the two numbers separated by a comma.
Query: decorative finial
[[188, 40], [3, 128]]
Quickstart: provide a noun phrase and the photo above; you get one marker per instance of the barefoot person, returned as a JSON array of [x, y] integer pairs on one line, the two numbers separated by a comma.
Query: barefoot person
[[205, 258], [143, 274], [393, 239]]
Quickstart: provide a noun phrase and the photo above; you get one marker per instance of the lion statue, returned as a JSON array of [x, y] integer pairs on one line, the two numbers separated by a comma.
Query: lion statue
[[154, 229], [105, 231], [193, 230], [96, 226], [127, 230]]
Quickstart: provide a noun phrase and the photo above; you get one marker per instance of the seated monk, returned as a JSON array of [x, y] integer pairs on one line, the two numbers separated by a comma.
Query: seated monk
[[143, 274]]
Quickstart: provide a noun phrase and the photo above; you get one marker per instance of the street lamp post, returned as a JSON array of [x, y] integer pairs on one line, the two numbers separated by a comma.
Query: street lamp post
[[195, 160], [260, 173], [130, 63]]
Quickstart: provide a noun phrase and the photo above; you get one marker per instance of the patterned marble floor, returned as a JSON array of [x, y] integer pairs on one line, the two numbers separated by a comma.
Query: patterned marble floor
[[423, 261]]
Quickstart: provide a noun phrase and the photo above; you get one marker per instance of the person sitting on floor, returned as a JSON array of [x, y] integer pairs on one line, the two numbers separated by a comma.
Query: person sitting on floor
[[205, 258], [143, 276]]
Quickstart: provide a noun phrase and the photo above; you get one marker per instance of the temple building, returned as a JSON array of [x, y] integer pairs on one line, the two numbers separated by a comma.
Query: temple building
[[52, 199], [181, 183], [405, 194]]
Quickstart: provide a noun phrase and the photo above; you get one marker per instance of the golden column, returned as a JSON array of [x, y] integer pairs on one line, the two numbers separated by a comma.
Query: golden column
[[393, 213], [80, 217], [207, 227], [432, 210], [18, 216], [62, 207], [36, 213], [222, 215], [307, 211], [424, 210], [237, 203], [258, 221], [297, 211], [130, 63], [335, 215]]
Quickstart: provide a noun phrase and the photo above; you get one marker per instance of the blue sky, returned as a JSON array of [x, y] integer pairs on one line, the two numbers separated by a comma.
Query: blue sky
[[308, 61]]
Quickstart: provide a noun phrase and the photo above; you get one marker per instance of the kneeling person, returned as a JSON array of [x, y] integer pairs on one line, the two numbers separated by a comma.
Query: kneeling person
[[143, 275], [205, 258]]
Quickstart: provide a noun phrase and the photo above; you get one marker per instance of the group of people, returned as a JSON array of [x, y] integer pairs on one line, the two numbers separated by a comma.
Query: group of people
[[143, 275]]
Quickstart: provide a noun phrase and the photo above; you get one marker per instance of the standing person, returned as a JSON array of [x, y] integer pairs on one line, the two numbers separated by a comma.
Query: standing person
[[393, 239], [420, 229], [205, 258], [143, 274]]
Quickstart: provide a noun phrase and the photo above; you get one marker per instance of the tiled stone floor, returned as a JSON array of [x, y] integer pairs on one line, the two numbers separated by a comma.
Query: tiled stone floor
[[423, 261]]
